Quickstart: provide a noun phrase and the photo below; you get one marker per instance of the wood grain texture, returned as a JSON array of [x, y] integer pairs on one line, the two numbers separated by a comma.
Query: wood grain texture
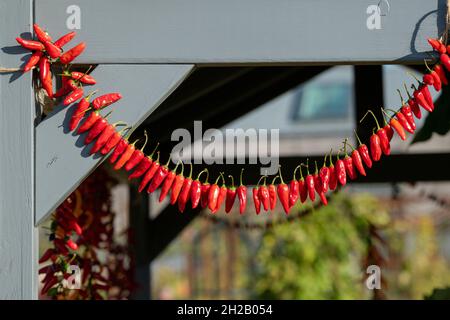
[[248, 32], [62, 160], [18, 236]]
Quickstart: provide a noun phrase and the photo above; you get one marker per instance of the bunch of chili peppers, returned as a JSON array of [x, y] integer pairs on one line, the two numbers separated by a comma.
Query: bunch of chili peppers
[[104, 138], [81, 231]]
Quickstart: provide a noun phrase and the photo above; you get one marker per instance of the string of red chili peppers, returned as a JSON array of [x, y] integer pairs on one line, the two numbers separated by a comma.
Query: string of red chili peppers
[[184, 189]]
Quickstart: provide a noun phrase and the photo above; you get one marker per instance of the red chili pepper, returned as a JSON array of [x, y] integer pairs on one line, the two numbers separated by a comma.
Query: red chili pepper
[[375, 147], [283, 193], [413, 104], [106, 100], [45, 76], [364, 152], [196, 189], [74, 96], [357, 162], [441, 73], [112, 142], [30, 44], [317, 181], [204, 188], [348, 163], [65, 39], [303, 190], [64, 90], [333, 179], [125, 156], [33, 61], [177, 185], [185, 192], [427, 95], [398, 127], [231, 196], [222, 195], [119, 150], [41, 34], [46, 256], [432, 79], [103, 138], [340, 171], [294, 191], [404, 122], [72, 245], [70, 55], [324, 175], [96, 129], [256, 200], [159, 177], [407, 113], [149, 174], [214, 194], [264, 195], [48, 285], [168, 182], [445, 60], [437, 45], [428, 79], [52, 50], [421, 100], [82, 77], [310, 183], [144, 165], [242, 195], [79, 111], [272, 194], [323, 198], [137, 155], [389, 131]]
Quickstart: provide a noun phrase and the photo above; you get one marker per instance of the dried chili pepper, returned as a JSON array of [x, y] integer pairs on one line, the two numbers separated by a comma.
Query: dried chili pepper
[[264, 195], [144, 165], [41, 34], [214, 191], [149, 174], [65, 39], [45, 75], [79, 111], [32, 61], [137, 155], [126, 155], [407, 113], [317, 181], [413, 104], [375, 139], [357, 160], [89, 122], [310, 183], [294, 191], [283, 193], [242, 194], [103, 138], [52, 50], [74, 96], [177, 185], [106, 100], [426, 93], [340, 171], [364, 152], [437, 45], [231, 196], [70, 55], [441, 73], [185, 192], [113, 141], [96, 129], [159, 177], [333, 178], [348, 162], [420, 99], [256, 200], [204, 189], [302, 189], [168, 182], [30, 44], [222, 195], [46, 256], [273, 194], [196, 190], [445, 60], [324, 175]]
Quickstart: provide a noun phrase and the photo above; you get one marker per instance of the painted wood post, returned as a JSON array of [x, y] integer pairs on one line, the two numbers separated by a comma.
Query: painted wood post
[[18, 235]]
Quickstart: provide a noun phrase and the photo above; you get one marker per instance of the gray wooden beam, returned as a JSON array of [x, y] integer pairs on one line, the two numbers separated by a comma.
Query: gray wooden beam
[[62, 161], [18, 236], [248, 32]]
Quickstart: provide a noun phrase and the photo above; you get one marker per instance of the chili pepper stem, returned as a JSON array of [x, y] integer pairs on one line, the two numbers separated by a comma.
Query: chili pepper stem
[[349, 144], [281, 176], [374, 117], [274, 179], [146, 140], [407, 92], [414, 76], [295, 171], [190, 173], [426, 64], [257, 185], [203, 171], [232, 181], [154, 150], [331, 156], [401, 97], [240, 179]]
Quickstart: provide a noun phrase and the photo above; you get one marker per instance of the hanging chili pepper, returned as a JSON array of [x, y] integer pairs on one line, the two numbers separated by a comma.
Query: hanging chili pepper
[[441, 73], [65, 39], [428, 79], [79, 111], [379, 141], [159, 177], [96, 129], [294, 191], [196, 190], [310, 183], [323, 198], [242, 194], [317, 181], [231, 196], [185, 192], [113, 141], [52, 50], [74, 96], [273, 194], [70, 55], [168, 182], [445, 60], [324, 175], [107, 133], [82, 77], [256, 200], [204, 189], [333, 178], [413, 104], [302, 188], [407, 113], [33, 61], [222, 195], [214, 191], [64, 90], [426, 93], [364, 152], [149, 174], [89, 122], [144, 165], [106, 100], [137, 155], [45, 75], [420, 99], [30, 44], [340, 171], [357, 161], [402, 120], [437, 45], [126, 155], [283, 192], [348, 162], [177, 185], [41, 34], [264, 195], [432, 78]]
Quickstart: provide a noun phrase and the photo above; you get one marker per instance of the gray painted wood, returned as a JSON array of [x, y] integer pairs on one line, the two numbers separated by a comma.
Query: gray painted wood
[[18, 236], [62, 162], [251, 31]]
